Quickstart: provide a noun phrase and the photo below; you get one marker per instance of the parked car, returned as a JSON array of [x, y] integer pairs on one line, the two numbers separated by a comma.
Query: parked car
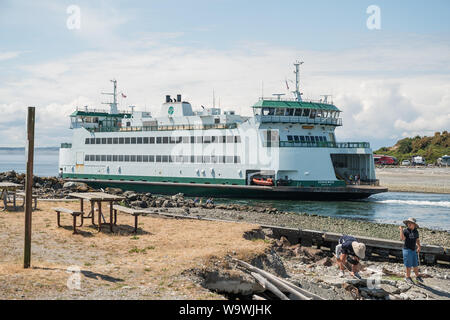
[[406, 163], [444, 161], [418, 160]]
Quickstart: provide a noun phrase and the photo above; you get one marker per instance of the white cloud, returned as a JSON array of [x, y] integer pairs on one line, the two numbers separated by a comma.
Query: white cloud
[[383, 92], [9, 55]]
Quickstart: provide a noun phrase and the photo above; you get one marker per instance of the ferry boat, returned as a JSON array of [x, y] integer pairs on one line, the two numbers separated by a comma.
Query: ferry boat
[[286, 150]]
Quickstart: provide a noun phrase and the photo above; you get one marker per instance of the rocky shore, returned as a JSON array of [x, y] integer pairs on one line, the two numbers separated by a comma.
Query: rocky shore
[[316, 270]]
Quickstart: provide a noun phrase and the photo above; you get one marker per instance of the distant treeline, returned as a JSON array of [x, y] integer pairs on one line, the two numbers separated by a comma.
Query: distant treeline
[[431, 148]]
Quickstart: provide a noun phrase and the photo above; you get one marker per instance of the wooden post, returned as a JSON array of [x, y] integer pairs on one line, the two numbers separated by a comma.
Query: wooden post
[[29, 186]]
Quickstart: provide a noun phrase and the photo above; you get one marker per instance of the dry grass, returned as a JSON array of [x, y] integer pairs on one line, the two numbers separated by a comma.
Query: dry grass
[[119, 265]]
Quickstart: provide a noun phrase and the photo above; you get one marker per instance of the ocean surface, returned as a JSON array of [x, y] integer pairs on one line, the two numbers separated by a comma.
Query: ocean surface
[[45, 161], [431, 210]]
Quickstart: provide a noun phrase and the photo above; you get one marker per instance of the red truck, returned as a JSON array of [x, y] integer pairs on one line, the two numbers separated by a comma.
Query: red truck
[[384, 160]]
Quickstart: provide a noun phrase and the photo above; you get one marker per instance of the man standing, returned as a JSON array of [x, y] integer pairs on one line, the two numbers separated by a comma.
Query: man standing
[[411, 248]]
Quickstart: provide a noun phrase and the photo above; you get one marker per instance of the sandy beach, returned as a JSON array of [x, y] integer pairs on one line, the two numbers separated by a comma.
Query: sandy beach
[[415, 179]]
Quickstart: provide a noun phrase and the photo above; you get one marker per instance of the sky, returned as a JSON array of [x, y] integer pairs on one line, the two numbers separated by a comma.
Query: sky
[[391, 81]]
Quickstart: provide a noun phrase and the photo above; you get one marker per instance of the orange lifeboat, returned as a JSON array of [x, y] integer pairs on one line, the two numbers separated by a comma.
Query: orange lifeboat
[[263, 182]]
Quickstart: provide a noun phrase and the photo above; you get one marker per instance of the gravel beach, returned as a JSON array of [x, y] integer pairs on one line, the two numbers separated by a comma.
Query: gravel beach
[[313, 222]]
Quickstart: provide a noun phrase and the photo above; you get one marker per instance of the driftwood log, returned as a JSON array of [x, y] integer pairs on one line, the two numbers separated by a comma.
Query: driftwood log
[[280, 284], [269, 286]]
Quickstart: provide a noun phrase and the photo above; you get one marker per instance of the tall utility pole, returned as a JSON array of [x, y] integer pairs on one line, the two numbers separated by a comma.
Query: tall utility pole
[[29, 186]]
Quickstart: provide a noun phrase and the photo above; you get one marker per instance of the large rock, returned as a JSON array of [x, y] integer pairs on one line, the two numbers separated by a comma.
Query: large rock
[[130, 195], [339, 282], [76, 186], [139, 204], [283, 242], [390, 289], [167, 204], [403, 287], [115, 191], [377, 293], [310, 253], [415, 295], [327, 262]]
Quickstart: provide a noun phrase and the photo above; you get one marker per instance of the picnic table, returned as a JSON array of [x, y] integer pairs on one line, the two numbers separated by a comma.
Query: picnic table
[[97, 198], [23, 195], [5, 188]]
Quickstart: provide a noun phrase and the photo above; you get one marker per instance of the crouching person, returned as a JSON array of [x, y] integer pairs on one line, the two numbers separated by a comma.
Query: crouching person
[[351, 251], [411, 249]]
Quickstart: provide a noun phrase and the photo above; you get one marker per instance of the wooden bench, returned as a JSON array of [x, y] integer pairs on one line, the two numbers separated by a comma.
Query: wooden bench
[[74, 214], [134, 212]]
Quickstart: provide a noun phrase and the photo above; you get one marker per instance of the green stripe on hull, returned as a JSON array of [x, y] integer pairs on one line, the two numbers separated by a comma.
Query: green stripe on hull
[[293, 183], [317, 184], [154, 179]]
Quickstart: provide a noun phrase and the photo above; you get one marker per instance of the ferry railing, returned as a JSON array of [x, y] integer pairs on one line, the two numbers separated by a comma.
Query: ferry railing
[[323, 144], [84, 109], [295, 100], [297, 119]]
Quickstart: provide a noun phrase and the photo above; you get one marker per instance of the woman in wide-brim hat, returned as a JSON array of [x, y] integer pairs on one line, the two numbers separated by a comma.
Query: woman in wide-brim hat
[[411, 220], [411, 248]]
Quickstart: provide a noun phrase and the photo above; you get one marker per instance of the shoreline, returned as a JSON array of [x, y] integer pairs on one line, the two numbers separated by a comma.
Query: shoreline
[[355, 227], [57, 188], [414, 189]]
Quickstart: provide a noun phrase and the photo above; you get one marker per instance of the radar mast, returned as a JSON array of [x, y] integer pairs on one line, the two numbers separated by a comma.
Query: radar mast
[[113, 105], [297, 93]]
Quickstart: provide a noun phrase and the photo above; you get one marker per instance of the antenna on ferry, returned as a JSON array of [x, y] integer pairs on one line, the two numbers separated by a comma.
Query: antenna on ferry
[[325, 98], [278, 95], [297, 93], [113, 104]]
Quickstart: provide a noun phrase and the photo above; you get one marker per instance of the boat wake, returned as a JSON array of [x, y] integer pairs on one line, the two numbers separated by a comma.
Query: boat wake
[[417, 203]]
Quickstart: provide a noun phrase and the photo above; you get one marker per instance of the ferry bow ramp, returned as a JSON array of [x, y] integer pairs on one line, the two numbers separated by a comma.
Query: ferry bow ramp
[[286, 150]]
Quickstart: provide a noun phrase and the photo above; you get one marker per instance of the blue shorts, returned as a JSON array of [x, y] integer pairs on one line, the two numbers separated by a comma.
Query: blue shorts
[[410, 258]]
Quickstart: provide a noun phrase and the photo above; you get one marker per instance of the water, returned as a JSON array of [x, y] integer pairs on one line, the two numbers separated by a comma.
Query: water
[[45, 161], [431, 210]]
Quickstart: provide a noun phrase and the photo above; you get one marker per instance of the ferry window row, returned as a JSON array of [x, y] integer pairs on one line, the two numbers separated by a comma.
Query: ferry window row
[[162, 158], [306, 139], [296, 112], [164, 140]]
